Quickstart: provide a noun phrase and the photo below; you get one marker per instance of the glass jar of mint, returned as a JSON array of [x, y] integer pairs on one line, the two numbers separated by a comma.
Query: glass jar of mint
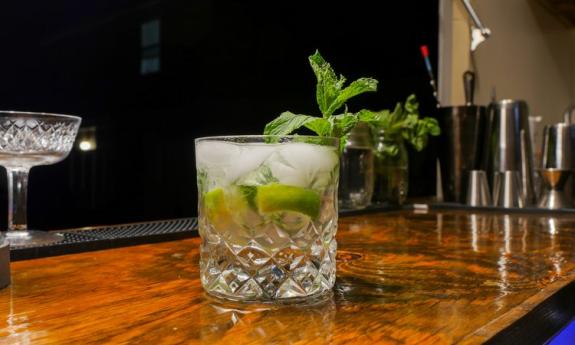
[[356, 169], [391, 169]]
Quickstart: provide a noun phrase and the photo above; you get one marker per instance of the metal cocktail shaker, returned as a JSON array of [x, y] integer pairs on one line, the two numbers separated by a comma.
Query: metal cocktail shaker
[[460, 143], [508, 145]]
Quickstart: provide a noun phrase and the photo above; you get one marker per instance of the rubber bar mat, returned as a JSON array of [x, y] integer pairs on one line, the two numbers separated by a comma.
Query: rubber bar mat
[[525, 210], [113, 236]]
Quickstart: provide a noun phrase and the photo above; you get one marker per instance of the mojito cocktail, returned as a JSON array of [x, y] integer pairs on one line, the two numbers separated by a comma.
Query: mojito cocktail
[[267, 216]]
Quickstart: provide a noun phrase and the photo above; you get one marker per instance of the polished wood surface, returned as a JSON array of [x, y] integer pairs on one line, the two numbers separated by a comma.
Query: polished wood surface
[[403, 278]]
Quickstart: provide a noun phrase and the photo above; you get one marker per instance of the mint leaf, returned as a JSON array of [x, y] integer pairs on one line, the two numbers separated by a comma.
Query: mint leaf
[[249, 193], [357, 87], [328, 84], [403, 123], [258, 177], [411, 121], [390, 150], [342, 124], [374, 118], [418, 143], [202, 177], [321, 127], [287, 123], [432, 126], [411, 104], [330, 96], [397, 114]]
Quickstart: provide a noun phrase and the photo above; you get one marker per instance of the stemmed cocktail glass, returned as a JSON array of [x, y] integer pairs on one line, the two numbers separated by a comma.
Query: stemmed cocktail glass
[[27, 140]]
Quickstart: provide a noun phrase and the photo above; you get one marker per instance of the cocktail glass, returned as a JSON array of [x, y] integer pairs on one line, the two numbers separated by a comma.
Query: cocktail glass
[[27, 140], [267, 216]]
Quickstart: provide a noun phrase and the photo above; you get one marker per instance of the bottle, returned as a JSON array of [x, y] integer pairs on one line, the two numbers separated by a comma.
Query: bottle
[[391, 163], [356, 169]]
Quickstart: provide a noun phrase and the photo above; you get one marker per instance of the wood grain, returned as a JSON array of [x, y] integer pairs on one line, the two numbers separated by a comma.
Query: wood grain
[[403, 278]]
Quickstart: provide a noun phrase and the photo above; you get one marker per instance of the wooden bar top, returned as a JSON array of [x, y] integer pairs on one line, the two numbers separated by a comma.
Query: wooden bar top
[[403, 278]]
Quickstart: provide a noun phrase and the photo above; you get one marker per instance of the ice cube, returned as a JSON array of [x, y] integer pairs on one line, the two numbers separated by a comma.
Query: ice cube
[[215, 154], [228, 161], [250, 158], [303, 165]]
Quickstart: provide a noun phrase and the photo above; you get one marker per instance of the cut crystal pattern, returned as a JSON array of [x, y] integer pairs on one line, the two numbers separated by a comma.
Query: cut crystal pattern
[[273, 265], [31, 135]]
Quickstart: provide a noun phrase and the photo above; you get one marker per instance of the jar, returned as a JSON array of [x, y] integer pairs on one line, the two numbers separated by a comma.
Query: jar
[[356, 169], [391, 163]]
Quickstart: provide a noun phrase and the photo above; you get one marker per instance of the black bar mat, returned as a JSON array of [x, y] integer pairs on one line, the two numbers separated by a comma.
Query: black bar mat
[[113, 236], [383, 207], [526, 210]]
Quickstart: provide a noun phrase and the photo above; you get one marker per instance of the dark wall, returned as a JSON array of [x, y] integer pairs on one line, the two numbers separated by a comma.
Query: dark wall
[[227, 67]]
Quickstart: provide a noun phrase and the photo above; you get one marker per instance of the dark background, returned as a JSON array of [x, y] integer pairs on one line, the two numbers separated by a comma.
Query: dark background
[[226, 67]]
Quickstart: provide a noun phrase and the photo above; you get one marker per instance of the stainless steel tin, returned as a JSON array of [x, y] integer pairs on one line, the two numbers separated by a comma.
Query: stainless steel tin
[[507, 189], [557, 148], [508, 145], [478, 189], [460, 147]]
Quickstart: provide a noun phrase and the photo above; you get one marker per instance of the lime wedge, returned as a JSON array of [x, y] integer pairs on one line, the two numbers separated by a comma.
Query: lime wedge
[[216, 208], [280, 197]]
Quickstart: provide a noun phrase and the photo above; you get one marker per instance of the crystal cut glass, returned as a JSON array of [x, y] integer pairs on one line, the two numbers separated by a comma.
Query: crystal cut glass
[[27, 140], [267, 216]]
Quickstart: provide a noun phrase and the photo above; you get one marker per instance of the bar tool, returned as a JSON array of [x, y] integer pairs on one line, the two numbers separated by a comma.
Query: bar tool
[[478, 189], [507, 189], [460, 148], [425, 54], [557, 166], [479, 32], [509, 145]]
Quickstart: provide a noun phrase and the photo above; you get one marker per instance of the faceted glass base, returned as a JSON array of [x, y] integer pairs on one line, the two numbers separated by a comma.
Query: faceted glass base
[[24, 238], [254, 272], [319, 299]]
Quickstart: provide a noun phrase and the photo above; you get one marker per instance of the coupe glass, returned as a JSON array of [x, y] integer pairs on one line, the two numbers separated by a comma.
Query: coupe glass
[[267, 216], [26, 140]]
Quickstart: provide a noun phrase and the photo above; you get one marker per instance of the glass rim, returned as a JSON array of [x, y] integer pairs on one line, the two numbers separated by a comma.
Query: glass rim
[[39, 114], [230, 138]]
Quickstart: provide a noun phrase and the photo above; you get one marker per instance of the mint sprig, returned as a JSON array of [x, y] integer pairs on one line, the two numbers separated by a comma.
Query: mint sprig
[[331, 95], [403, 123]]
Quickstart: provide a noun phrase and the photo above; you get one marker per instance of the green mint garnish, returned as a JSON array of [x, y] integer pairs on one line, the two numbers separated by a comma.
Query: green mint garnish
[[331, 95], [249, 193], [202, 177], [403, 123]]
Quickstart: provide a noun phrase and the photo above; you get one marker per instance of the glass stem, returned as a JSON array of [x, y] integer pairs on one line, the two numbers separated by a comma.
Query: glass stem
[[17, 198]]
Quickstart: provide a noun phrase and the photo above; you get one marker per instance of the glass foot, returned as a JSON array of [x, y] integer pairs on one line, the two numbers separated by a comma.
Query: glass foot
[[32, 238]]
